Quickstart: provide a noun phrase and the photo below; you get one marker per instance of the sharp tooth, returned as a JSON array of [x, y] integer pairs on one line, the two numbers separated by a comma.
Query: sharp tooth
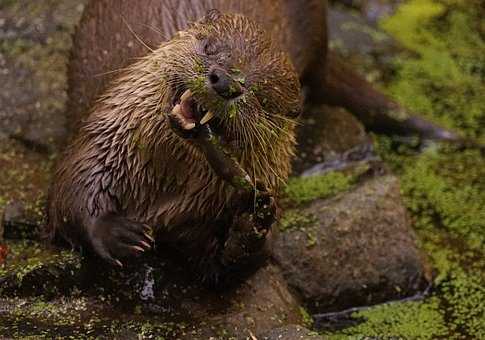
[[189, 126], [208, 116], [176, 109], [187, 94]]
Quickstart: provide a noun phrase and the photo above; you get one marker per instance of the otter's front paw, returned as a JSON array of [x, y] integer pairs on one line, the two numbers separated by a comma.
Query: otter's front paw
[[114, 238]]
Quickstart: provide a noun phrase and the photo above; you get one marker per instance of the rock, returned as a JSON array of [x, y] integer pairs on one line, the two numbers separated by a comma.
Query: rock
[[329, 139], [292, 332], [354, 249], [353, 35], [35, 43], [373, 10], [21, 223], [151, 297], [263, 302], [29, 269], [14, 211], [23, 185], [16, 223]]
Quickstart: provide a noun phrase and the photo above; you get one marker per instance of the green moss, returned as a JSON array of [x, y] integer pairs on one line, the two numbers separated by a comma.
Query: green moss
[[410, 320], [443, 188], [294, 220], [26, 258], [307, 319], [305, 189], [443, 78]]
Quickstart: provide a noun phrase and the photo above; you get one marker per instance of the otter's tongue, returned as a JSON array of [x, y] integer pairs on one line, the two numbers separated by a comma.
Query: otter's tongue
[[187, 109], [188, 113]]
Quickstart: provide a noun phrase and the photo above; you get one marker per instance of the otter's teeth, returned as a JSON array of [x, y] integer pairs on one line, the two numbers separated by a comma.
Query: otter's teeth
[[177, 111], [208, 116], [187, 94], [189, 126]]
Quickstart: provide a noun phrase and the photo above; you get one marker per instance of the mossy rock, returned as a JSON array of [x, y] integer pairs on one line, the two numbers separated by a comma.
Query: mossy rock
[[31, 269], [354, 249]]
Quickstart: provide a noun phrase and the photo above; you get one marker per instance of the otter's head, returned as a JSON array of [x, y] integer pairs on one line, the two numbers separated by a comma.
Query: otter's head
[[226, 70]]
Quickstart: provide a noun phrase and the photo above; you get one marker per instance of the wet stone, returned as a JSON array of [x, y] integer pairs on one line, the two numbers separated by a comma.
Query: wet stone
[[355, 249], [150, 297], [330, 139], [19, 223], [353, 35], [34, 46], [29, 269], [291, 332]]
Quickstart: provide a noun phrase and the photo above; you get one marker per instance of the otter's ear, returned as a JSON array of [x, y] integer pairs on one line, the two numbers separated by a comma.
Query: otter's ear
[[211, 16]]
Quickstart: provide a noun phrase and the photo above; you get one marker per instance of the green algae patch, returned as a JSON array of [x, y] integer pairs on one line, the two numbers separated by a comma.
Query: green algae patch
[[409, 320], [302, 190], [31, 269], [442, 76], [76, 317], [294, 220], [454, 310], [444, 190]]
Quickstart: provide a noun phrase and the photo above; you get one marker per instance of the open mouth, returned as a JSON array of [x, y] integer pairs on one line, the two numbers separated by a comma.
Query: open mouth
[[190, 113]]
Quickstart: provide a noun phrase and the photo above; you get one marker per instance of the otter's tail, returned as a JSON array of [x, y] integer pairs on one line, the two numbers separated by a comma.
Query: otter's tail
[[344, 87]]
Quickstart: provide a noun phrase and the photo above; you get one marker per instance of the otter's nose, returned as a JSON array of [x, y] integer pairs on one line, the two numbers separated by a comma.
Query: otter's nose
[[223, 84]]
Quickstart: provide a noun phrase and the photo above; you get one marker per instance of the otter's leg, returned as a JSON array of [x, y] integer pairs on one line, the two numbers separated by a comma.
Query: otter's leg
[[242, 247], [339, 85], [114, 238]]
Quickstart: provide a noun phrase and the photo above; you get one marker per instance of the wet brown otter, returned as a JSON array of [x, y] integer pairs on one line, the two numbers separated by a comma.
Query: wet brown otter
[[136, 163], [128, 169]]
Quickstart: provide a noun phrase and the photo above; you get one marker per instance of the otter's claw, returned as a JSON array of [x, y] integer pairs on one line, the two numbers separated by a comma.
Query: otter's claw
[[114, 238]]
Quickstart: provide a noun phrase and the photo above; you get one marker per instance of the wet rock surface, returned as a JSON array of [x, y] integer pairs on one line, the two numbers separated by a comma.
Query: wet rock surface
[[31, 269], [150, 298], [330, 139], [292, 332], [355, 249], [35, 42]]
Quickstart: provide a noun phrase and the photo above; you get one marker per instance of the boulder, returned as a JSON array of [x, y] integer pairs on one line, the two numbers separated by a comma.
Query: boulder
[[354, 249], [35, 38], [151, 297], [329, 139]]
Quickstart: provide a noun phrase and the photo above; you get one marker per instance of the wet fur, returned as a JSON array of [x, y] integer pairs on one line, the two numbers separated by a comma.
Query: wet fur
[[126, 169]]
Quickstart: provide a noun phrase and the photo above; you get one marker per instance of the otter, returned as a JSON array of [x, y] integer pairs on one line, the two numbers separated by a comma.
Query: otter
[[139, 162], [167, 85]]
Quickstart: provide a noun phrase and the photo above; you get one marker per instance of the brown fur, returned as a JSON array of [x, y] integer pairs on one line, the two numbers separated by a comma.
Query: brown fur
[[126, 161], [113, 33]]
